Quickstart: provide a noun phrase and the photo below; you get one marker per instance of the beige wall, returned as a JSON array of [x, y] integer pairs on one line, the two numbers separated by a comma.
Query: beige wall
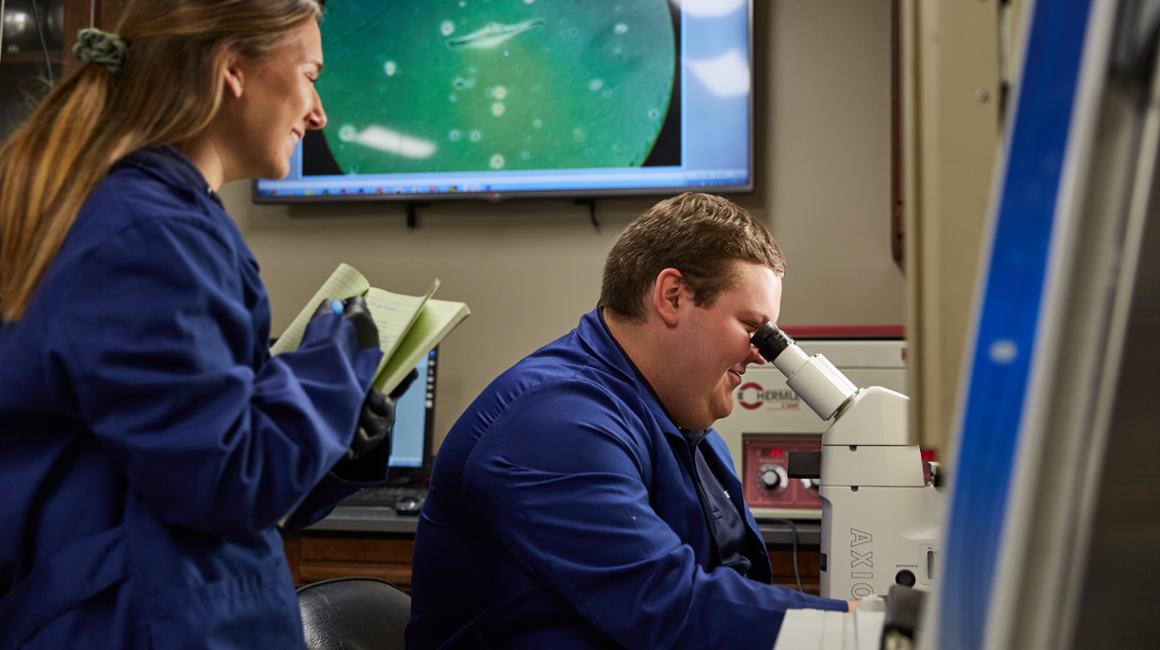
[[530, 269]]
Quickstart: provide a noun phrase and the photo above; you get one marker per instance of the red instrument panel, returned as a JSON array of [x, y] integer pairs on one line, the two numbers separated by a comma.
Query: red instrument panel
[[765, 472], [765, 465]]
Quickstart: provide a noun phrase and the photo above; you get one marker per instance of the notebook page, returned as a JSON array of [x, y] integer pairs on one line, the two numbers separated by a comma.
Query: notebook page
[[436, 321], [394, 315], [342, 284]]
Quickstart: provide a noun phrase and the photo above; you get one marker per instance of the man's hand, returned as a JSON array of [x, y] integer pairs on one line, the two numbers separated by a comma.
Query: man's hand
[[853, 604]]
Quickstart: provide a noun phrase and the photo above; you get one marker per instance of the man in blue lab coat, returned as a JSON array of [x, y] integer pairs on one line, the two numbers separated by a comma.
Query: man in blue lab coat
[[583, 501]]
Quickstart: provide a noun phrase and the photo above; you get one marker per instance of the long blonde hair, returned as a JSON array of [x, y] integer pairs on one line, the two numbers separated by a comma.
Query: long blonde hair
[[168, 90]]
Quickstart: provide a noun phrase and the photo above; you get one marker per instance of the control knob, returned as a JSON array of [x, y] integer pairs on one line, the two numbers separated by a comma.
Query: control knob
[[772, 477]]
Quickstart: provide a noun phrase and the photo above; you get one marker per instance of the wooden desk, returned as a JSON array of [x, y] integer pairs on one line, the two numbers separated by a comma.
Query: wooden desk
[[322, 556], [383, 547]]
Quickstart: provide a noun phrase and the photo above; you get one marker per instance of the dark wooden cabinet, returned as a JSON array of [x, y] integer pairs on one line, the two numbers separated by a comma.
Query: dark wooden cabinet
[[315, 556], [26, 69], [322, 556], [808, 564]]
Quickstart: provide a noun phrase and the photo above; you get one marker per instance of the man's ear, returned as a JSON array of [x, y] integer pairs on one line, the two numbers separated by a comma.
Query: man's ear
[[232, 75], [669, 291]]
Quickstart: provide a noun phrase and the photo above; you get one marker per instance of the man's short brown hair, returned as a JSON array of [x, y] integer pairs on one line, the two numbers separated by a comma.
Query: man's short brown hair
[[700, 235]]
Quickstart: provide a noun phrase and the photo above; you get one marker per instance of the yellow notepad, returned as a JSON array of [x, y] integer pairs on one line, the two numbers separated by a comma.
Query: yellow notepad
[[409, 326]]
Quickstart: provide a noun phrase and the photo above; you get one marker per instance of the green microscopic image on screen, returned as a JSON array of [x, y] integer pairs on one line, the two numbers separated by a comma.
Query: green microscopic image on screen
[[495, 85]]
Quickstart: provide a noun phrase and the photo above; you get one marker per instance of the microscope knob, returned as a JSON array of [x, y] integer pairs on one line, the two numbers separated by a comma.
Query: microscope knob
[[772, 477], [811, 484]]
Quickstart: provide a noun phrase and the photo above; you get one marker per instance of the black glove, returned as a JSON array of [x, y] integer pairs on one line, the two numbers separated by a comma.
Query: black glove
[[354, 309], [366, 459], [378, 410], [374, 423]]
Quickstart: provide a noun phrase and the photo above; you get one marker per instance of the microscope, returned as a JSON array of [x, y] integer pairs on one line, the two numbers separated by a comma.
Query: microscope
[[881, 504]]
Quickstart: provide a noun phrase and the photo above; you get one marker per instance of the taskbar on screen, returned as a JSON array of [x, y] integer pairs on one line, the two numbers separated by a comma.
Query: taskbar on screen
[[370, 188]]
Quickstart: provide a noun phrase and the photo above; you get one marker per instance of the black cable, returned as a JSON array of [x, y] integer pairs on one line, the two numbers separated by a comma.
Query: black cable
[[796, 574], [43, 44]]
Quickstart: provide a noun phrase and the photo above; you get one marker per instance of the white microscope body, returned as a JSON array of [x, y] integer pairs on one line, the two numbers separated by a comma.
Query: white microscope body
[[880, 513]]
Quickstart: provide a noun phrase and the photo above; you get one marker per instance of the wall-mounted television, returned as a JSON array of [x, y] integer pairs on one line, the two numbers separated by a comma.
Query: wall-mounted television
[[494, 99]]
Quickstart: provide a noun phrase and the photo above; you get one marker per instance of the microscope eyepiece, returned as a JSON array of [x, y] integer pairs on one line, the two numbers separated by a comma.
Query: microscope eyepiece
[[820, 385], [770, 341]]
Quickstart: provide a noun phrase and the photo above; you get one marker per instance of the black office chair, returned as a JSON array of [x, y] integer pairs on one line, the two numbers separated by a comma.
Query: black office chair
[[354, 613]]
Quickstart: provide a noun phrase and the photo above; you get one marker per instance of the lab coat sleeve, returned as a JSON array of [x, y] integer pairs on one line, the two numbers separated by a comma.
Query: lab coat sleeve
[[331, 489], [571, 493], [158, 341], [322, 500]]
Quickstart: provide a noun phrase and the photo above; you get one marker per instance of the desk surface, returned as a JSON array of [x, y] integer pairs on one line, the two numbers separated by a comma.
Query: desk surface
[[368, 519]]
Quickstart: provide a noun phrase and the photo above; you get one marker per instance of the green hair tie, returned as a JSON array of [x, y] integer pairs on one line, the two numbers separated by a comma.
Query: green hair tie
[[95, 46]]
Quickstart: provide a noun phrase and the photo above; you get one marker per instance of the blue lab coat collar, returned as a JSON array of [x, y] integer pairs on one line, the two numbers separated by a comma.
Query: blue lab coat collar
[[171, 166]]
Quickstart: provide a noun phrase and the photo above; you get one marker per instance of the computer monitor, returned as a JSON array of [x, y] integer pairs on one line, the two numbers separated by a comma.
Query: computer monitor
[[451, 100], [415, 424]]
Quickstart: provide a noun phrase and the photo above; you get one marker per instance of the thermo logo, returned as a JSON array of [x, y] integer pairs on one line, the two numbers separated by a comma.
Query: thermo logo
[[752, 396]]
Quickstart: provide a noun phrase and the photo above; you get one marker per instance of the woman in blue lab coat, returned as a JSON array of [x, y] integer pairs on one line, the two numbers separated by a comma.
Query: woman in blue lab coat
[[149, 444]]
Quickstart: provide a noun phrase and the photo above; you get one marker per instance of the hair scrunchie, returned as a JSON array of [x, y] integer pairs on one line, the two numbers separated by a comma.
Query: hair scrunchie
[[95, 46]]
